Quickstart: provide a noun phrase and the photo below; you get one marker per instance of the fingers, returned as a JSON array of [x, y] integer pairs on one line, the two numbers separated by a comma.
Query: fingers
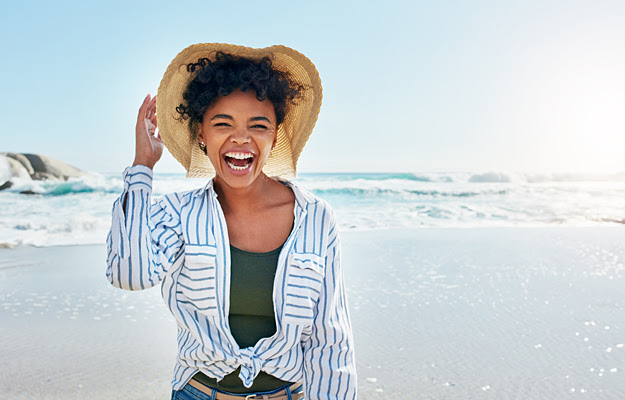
[[142, 114], [150, 128], [150, 117], [144, 106], [148, 145], [151, 109], [148, 107], [146, 120]]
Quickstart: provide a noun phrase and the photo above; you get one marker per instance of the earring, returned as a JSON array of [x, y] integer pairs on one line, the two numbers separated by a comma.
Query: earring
[[203, 147]]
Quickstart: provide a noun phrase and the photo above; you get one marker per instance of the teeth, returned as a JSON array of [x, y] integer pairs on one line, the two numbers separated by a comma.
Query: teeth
[[240, 156], [234, 167]]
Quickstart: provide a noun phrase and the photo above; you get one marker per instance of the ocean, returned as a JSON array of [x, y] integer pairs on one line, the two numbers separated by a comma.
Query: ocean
[[78, 211]]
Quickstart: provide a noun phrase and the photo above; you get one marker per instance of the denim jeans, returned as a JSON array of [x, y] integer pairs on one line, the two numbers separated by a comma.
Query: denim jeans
[[188, 392]]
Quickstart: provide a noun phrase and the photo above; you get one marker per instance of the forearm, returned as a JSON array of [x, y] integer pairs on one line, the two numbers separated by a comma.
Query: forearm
[[134, 261], [329, 364]]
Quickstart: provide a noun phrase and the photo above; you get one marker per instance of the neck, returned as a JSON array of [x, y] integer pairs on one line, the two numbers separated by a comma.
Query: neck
[[244, 199]]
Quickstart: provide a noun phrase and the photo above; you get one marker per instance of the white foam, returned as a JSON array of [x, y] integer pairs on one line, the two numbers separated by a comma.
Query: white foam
[[5, 169]]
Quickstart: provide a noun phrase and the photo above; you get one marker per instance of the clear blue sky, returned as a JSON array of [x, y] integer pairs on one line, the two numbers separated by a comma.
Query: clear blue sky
[[408, 86]]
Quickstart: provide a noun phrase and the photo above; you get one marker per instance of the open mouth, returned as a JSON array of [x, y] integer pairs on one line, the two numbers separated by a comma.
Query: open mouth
[[239, 161]]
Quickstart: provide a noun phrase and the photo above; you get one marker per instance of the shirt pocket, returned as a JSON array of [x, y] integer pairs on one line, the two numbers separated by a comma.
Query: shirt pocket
[[303, 286], [195, 288]]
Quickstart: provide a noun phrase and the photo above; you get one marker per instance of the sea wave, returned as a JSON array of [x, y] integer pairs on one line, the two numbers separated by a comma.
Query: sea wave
[[78, 211], [375, 192], [421, 184], [84, 184]]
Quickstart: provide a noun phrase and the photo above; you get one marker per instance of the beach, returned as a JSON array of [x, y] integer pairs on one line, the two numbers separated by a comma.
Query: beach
[[437, 313]]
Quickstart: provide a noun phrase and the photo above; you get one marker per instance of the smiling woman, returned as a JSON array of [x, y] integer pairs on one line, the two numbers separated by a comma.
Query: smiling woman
[[250, 266], [240, 132]]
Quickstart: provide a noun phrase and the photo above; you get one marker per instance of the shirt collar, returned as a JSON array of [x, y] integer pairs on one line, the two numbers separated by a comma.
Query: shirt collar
[[302, 197], [207, 188]]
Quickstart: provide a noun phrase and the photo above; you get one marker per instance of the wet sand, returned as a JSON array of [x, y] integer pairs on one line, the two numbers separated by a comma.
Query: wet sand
[[493, 313]]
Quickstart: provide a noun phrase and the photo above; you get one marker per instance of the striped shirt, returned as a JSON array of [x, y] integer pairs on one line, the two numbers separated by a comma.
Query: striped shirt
[[181, 241]]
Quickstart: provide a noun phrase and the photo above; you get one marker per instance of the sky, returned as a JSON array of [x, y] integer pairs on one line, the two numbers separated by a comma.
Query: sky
[[411, 86]]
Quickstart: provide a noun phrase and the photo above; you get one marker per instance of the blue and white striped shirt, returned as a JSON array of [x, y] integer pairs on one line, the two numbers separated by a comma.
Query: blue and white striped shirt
[[181, 241]]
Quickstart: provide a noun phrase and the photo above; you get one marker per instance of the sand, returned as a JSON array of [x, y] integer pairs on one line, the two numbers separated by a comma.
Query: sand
[[492, 313]]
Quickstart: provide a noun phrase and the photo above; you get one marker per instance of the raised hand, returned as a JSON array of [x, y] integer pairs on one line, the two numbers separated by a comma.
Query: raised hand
[[148, 145]]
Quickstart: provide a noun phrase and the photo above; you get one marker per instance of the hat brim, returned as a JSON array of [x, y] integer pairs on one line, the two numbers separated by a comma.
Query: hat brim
[[292, 134]]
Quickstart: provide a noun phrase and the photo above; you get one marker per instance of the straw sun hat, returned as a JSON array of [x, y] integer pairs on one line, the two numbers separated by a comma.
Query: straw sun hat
[[292, 133]]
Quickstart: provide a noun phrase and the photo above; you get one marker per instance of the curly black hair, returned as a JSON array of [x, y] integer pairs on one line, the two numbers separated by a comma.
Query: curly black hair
[[228, 73]]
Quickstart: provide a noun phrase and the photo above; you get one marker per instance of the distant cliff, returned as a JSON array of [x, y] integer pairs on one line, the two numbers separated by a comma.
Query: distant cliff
[[33, 167]]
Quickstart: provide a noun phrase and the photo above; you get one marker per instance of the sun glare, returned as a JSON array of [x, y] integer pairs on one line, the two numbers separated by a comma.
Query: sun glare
[[575, 103]]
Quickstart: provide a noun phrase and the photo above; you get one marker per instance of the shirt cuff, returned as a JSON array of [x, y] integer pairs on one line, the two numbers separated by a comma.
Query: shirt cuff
[[137, 178]]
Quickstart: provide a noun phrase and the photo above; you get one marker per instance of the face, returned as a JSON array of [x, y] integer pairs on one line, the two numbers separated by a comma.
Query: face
[[239, 132]]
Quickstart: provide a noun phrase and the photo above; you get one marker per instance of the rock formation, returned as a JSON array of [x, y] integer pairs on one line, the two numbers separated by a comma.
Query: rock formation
[[35, 167]]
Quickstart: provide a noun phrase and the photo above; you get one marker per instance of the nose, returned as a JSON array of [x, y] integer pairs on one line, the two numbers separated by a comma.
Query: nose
[[240, 136]]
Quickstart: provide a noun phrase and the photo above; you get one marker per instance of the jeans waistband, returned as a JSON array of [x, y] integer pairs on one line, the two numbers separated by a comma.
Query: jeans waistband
[[291, 392]]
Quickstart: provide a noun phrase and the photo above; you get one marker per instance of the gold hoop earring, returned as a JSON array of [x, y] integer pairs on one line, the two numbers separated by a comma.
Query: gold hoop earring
[[203, 147]]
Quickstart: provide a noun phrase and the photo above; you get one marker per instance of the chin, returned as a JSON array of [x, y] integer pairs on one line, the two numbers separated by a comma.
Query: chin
[[239, 180]]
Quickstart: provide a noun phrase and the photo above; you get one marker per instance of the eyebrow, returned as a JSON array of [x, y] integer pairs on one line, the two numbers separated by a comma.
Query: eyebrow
[[226, 116], [260, 119]]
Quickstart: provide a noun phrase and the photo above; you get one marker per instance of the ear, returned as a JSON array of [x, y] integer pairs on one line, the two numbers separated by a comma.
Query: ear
[[275, 140], [200, 132]]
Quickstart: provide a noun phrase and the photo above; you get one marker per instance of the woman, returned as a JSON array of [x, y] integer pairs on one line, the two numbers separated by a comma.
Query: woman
[[248, 265]]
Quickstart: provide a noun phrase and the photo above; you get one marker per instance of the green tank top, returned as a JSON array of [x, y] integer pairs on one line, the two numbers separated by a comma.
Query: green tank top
[[251, 314]]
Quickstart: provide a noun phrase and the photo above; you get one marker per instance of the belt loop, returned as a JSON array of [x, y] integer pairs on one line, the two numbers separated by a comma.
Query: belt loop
[[288, 393], [213, 394]]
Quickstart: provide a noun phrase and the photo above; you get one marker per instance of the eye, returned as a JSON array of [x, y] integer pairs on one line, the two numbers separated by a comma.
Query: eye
[[259, 126], [221, 124]]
